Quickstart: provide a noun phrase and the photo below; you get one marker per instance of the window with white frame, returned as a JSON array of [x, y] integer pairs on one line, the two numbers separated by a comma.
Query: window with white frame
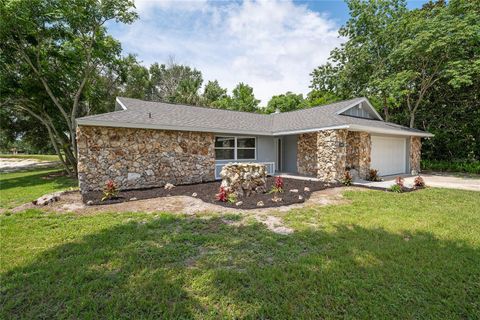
[[235, 148]]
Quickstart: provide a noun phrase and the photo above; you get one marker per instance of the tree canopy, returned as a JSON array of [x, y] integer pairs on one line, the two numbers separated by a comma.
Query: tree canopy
[[420, 68], [53, 52], [410, 63]]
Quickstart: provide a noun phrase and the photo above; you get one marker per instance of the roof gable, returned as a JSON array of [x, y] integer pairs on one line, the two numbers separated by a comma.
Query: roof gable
[[361, 109]]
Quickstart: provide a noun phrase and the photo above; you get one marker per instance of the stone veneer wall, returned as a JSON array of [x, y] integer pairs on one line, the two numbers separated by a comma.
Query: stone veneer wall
[[415, 154], [322, 154], [307, 163], [139, 158], [359, 146], [332, 155]]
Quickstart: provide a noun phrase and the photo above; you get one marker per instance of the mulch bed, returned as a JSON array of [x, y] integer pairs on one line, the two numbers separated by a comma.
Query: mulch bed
[[207, 192]]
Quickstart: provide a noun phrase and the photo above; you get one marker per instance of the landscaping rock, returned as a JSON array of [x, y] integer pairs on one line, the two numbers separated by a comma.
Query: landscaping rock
[[244, 178], [169, 186], [306, 189], [133, 199], [194, 194], [276, 199], [89, 202], [239, 203], [133, 176], [294, 190], [47, 199], [260, 204], [300, 197]]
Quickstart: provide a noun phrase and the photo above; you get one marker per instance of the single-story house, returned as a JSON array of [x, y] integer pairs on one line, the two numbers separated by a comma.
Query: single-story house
[[146, 144]]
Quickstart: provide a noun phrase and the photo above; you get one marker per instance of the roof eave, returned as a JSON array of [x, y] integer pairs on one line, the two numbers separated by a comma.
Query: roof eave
[[285, 133], [396, 132]]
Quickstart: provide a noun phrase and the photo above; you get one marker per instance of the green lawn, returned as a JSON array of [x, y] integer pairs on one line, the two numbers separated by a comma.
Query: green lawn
[[384, 255], [39, 157], [20, 187]]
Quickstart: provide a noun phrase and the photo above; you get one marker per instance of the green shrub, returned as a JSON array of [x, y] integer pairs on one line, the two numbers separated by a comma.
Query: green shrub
[[396, 188], [451, 166], [232, 197]]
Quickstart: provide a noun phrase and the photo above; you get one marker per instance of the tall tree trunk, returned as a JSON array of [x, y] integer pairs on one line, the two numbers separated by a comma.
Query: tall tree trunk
[[412, 119]]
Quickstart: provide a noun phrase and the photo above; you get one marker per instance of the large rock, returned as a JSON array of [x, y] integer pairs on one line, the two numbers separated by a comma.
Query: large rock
[[47, 199], [244, 178]]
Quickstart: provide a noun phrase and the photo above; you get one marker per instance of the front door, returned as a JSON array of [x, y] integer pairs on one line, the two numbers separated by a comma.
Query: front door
[[279, 150]]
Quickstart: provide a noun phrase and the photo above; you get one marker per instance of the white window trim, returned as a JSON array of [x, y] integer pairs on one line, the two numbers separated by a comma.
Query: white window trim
[[235, 148]]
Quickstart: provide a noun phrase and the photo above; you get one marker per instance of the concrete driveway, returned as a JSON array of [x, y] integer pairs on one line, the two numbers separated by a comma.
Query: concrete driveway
[[433, 179]]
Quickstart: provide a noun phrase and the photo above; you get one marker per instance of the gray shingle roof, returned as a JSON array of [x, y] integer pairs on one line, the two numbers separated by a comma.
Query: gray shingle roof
[[159, 115]]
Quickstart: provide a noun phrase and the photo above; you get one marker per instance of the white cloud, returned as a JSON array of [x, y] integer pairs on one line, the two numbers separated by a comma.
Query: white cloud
[[271, 45]]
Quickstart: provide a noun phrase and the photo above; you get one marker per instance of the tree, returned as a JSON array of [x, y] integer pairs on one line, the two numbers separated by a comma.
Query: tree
[[395, 56], [243, 99], [136, 79], [175, 83], [57, 48], [318, 98], [212, 93], [286, 102], [440, 42], [359, 66]]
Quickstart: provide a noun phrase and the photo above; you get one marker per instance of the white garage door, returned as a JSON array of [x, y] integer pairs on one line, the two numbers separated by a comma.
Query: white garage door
[[388, 155]]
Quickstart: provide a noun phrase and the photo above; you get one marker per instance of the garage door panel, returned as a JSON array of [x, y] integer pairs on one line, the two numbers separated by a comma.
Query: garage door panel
[[388, 155]]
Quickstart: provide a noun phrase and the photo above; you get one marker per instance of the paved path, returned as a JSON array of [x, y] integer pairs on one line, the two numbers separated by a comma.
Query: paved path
[[439, 180]]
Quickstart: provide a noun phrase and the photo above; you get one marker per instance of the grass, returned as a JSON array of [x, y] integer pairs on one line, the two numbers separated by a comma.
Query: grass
[[384, 255], [452, 166], [20, 187], [39, 157]]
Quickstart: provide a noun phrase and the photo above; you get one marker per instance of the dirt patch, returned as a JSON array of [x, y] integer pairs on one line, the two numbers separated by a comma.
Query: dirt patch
[[8, 165], [274, 224], [207, 191]]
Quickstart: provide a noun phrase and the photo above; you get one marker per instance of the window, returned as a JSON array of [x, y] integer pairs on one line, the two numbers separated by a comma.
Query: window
[[235, 148], [225, 148], [245, 148]]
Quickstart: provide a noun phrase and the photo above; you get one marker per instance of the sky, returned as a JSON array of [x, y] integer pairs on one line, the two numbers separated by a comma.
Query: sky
[[272, 46]]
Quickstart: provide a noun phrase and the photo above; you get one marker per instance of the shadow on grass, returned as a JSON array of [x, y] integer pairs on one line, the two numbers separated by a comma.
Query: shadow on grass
[[32, 179], [176, 267]]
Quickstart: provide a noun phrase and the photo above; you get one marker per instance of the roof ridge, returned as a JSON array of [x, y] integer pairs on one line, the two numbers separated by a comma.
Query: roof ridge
[[191, 106], [239, 111]]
